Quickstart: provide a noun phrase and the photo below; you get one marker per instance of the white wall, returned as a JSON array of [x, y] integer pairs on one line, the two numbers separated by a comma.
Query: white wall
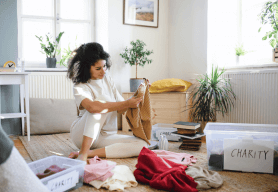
[[179, 43], [120, 36], [187, 38]]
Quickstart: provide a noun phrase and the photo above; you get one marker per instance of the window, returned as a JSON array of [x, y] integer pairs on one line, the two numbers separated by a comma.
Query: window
[[237, 23], [40, 17]]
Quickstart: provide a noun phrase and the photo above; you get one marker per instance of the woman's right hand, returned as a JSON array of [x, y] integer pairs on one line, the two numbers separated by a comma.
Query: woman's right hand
[[134, 102]]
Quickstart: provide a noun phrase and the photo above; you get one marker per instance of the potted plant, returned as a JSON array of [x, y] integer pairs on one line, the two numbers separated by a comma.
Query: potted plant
[[240, 51], [136, 55], [50, 49], [213, 94], [269, 15], [66, 57]]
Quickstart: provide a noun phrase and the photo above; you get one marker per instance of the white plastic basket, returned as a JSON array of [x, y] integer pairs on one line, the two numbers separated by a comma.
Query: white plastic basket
[[68, 179], [217, 133]]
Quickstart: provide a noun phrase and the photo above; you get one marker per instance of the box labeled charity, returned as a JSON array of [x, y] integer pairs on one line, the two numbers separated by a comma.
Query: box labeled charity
[[242, 147], [166, 129], [59, 173]]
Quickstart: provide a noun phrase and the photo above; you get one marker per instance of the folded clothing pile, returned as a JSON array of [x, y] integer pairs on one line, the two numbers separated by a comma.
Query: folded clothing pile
[[107, 174]]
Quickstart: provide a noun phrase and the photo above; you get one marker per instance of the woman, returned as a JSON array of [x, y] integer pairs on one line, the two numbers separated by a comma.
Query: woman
[[98, 101]]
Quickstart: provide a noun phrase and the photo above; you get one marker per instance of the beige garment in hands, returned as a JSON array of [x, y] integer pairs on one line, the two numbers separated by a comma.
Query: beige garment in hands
[[139, 119]]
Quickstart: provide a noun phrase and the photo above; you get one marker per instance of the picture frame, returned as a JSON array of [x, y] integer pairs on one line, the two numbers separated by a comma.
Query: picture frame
[[143, 13]]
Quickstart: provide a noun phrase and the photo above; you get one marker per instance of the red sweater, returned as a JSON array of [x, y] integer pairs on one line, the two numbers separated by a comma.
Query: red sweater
[[163, 174]]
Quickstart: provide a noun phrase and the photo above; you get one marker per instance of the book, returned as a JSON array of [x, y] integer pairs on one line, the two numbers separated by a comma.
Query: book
[[187, 131], [191, 144], [191, 140], [197, 135], [186, 125], [191, 148]]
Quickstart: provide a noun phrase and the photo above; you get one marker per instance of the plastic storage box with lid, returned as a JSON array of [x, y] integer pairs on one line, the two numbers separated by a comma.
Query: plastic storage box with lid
[[166, 129], [242, 147], [68, 179]]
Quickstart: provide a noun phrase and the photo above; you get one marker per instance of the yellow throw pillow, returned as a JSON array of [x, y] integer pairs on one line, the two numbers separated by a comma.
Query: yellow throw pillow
[[168, 85]]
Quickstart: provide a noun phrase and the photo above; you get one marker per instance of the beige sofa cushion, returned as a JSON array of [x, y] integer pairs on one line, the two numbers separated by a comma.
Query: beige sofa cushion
[[51, 115]]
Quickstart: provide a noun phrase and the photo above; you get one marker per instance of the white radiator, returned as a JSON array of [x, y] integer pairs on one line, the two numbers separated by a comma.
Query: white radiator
[[257, 97], [53, 85]]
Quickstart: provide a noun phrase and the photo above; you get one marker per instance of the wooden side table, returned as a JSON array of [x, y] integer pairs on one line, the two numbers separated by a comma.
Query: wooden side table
[[22, 79], [168, 107]]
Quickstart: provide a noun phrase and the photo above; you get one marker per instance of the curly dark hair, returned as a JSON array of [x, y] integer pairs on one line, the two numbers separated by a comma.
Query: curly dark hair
[[84, 57]]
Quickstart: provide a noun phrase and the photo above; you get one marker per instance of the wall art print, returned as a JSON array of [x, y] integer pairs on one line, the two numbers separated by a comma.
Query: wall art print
[[141, 13]]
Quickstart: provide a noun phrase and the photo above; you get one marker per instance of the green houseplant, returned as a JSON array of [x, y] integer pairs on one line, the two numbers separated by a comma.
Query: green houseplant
[[50, 49], [269, 15], [136, 55], [213, 94], [240, 51]]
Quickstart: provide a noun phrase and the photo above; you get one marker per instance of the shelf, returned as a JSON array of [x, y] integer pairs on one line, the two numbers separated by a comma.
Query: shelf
[[12, 115]]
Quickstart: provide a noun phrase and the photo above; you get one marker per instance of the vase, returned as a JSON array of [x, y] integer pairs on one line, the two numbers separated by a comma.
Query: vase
[[51, 62], [134, 83], [238, 58], [275, 55]]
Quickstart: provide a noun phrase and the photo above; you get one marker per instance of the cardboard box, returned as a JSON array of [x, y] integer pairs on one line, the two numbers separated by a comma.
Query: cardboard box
[[162, 128], [242, 147], [71, 178]]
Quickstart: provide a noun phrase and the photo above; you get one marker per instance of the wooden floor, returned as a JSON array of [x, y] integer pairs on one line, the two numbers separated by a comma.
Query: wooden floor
[[20, 147]]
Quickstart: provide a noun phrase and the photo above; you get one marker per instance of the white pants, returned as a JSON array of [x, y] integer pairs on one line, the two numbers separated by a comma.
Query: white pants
[[116, 145]]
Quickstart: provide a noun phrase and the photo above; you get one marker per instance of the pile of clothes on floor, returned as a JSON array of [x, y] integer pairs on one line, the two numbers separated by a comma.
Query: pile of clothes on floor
[[160, 169]]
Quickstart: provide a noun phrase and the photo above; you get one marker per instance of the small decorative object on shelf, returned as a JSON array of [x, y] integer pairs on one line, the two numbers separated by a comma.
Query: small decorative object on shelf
[[9, 66], [20, 65]]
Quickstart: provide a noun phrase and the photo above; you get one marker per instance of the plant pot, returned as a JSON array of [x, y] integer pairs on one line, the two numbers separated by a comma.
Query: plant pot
[[134, 83], [202, 128], [275, 55], [238, 58], [51, 62]]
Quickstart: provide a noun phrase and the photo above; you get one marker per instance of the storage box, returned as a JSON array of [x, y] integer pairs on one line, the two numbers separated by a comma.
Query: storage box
[[71, 178], [242, 147], [162, 128]]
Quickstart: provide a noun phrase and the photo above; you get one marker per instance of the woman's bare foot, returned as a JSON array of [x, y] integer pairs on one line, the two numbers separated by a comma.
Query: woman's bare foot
[[73, 155], [82, 157]]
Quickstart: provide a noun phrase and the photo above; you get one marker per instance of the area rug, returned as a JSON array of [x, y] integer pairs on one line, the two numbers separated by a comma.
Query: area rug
[[60, 144]]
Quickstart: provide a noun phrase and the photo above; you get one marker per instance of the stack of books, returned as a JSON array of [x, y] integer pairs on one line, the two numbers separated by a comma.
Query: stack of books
[[188, 131]]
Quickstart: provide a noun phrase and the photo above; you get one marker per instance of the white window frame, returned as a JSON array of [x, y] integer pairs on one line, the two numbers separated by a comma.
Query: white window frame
[[56, 19]]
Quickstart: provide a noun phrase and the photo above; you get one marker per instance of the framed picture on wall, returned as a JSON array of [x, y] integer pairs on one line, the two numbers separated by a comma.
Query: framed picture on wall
[[141, 13]]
